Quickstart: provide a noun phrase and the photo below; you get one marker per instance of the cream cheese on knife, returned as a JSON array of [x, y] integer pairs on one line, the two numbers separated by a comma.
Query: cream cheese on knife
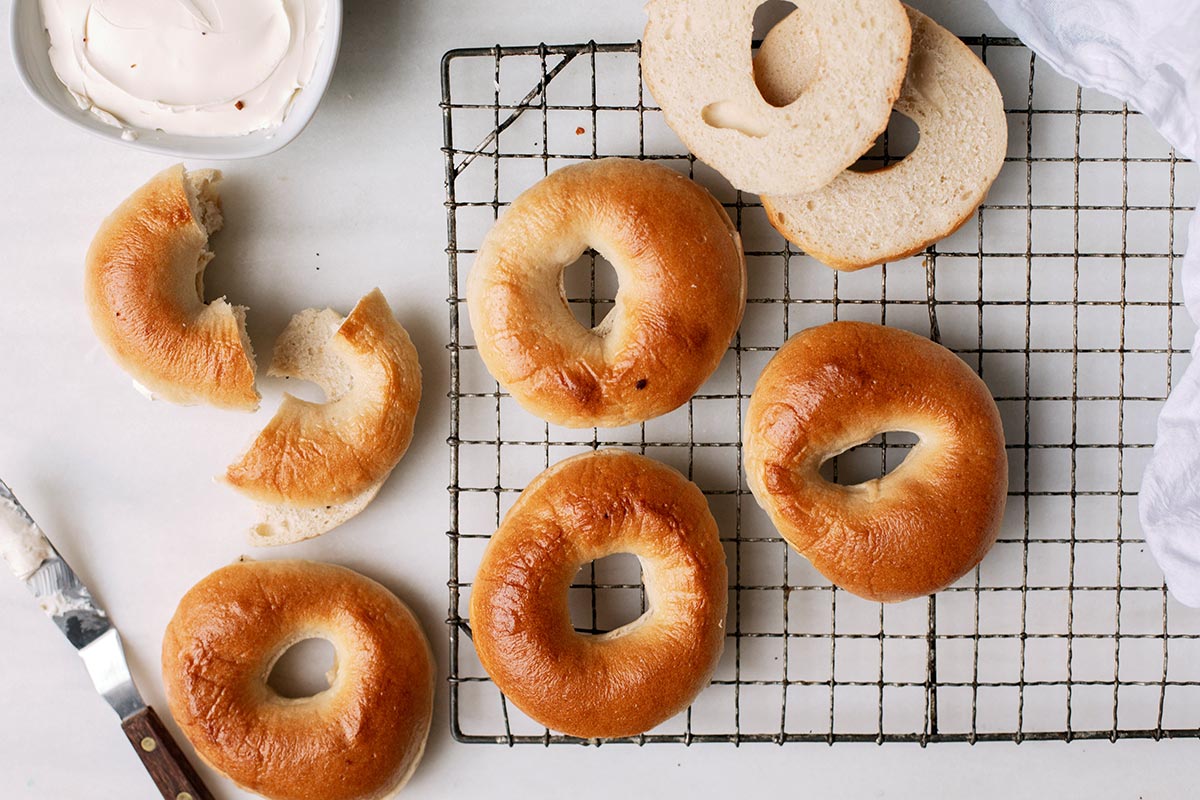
[[190, 67], [22, 544]]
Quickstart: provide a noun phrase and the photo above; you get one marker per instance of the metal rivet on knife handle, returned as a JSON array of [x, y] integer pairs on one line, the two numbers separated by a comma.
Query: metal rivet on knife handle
[[164, 760]]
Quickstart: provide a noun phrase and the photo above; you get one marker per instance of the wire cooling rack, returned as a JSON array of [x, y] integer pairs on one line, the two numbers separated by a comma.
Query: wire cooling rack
[[1061, 291]]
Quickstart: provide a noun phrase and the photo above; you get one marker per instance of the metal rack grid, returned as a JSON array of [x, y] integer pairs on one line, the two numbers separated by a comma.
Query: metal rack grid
[[1061, 291]]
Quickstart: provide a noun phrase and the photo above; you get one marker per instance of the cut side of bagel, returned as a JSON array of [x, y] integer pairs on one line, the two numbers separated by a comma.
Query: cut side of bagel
[[316, 465], [285, 524], [866, 218], [696, 59], [144, 290]]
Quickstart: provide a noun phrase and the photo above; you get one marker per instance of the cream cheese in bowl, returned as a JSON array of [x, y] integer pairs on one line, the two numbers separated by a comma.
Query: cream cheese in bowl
[[189, 67]]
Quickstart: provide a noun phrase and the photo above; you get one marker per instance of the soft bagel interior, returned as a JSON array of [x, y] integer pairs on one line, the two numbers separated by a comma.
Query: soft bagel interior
[[696, 64], [316, 465], [863, 218], [144, 288], [285, 524]]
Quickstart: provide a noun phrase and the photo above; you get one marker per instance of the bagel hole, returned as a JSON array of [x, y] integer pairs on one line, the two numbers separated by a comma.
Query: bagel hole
[[589, 287], [745, 118], [304, 390], [803, 59], [304, 669], [770, 14], [894, 145], [870, 460], [607, 594]]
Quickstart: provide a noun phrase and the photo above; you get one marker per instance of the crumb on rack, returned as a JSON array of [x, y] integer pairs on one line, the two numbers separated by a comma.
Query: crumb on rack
[[580, 131]]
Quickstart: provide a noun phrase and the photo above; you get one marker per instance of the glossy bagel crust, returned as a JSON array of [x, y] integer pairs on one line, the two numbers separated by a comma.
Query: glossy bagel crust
[[360, 739], [142, 289], [681, 296], [629, 680], [317, 454], [913, 531]]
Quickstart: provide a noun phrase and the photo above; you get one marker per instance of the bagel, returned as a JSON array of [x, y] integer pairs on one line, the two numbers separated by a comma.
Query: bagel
[[696, 63], [316, 465], [866, 218], [360, 739], [631, 679], [144, 290], [682, 292], [917, 529]]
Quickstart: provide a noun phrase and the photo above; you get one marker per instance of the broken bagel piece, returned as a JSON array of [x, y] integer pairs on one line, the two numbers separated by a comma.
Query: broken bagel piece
[[316, 465], [144, 291]]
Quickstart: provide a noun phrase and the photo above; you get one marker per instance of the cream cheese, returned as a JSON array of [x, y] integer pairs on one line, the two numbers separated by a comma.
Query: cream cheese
[[190, 67], [58, 604], [22, 545]]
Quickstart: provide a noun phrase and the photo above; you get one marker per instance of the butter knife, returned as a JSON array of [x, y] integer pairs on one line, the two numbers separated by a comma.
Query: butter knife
[[64, 598]]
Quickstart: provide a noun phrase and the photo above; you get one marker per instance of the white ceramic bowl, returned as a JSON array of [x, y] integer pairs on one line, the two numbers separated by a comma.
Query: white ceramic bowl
[[31, 51]]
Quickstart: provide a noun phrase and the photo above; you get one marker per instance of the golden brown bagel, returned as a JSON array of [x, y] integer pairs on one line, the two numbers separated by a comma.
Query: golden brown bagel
[[913, 531], [626, 681], [682, 292], [360, 739], [144, 289], [317, 464]]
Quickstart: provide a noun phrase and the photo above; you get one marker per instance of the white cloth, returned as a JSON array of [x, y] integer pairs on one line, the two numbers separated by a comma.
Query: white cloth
[[1147, 53]]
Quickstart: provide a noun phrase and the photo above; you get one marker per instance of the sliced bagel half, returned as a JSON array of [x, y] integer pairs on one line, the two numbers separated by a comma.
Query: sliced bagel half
[[316, 465], [144, 290], [865, 218], [696, 63]]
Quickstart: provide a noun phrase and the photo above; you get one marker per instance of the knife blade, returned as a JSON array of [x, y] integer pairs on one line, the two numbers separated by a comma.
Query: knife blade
[[70, 605]]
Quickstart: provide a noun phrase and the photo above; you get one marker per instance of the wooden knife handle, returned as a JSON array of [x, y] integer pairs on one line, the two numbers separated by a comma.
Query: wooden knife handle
[[162, 758]]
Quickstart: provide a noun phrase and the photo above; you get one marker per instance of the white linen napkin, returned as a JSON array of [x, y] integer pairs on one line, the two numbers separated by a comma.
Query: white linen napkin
[[1147, 53]]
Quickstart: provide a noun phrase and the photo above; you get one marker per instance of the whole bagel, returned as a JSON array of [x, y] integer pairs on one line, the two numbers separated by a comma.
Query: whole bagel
[[917, 529], [360, 739], [682, 292], [629, 680]]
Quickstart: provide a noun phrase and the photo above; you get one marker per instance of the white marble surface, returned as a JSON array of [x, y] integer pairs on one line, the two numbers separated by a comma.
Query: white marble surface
[[123, 488]]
